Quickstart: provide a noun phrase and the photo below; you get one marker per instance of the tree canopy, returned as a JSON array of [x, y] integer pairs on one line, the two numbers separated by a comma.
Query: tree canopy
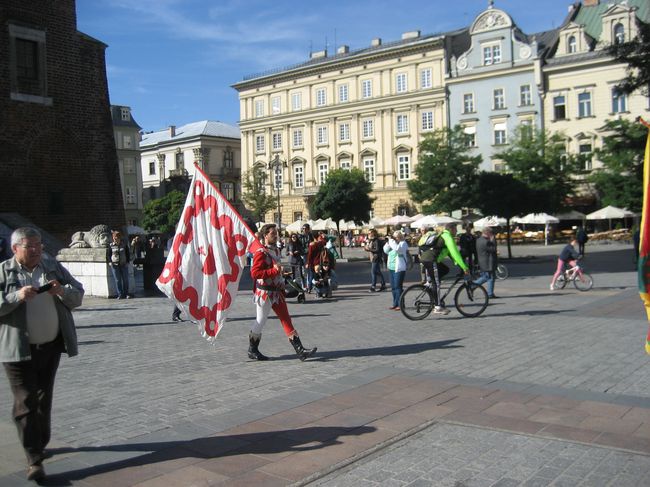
[[345, 195], [254, 193], [635, 53], [446, 175], [164, 213]]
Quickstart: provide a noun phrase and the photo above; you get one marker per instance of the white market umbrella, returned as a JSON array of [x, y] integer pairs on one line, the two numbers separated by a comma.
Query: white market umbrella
[[295, 226], [344, 226], [330, 224], [434, 221], [538, 219], [375, 222], [490, 221], [571, 215], [610, 213], [398, 220]]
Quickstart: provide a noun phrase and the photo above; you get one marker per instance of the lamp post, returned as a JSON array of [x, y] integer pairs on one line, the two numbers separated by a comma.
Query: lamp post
[[275, 166]]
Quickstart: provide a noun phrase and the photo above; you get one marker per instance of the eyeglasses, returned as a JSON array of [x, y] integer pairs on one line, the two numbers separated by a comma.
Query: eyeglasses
[[32, 247]]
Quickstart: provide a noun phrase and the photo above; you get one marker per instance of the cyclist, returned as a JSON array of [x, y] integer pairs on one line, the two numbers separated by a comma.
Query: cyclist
[[568, 255], [444, 245]]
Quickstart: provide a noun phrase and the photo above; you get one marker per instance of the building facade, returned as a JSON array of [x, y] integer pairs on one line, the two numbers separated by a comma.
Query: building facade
[[366, 109], [127, 143], [168, 156], [58, 152], [580, 78]]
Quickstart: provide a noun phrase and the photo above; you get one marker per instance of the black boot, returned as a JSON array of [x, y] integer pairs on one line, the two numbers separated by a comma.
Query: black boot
[[301, 351], [253, 351]]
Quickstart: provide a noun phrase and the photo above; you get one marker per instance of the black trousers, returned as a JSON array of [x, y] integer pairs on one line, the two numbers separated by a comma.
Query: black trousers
[[32, 385]]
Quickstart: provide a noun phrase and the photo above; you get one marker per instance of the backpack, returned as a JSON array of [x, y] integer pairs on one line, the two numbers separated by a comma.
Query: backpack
[[428, 247]]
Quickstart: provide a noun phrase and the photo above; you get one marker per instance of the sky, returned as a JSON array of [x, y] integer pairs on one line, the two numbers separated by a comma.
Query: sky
[[174, 61]]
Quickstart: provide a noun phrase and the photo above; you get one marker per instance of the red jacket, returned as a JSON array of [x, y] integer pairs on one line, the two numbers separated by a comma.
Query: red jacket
[[266, 275]]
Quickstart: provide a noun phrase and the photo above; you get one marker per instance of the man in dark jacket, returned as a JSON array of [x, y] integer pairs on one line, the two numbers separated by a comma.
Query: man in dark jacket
[[486, 250], [376, 249], [467, 243]]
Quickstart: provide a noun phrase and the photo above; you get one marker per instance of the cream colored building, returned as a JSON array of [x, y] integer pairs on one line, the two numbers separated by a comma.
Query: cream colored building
[[168, 157], [580, 78], [367, 109], [127, 143]]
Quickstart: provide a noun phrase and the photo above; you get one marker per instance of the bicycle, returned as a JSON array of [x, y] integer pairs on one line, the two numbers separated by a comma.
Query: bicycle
[[501, 272], [417, 301], [581, 280]]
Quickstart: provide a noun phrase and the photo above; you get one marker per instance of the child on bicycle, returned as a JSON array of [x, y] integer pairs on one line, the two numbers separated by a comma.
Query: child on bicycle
[[568, 255]]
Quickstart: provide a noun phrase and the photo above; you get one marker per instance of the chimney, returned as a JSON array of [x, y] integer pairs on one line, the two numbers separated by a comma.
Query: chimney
[[414, 34], [343, 49], [172, 130], [376, 42], [590, 3]]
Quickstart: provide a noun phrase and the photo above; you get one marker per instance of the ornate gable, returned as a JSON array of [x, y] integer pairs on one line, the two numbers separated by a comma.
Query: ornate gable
[[491, 19]]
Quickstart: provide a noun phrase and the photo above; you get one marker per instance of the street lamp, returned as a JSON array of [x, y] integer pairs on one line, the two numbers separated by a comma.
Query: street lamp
[[275, 166]]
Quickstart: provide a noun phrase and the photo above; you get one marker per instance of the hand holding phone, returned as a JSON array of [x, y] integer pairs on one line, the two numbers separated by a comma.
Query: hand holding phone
[[44, 288]]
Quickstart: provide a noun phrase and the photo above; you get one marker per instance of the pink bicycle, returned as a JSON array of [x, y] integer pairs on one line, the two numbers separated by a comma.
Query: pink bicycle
[[581, 280]]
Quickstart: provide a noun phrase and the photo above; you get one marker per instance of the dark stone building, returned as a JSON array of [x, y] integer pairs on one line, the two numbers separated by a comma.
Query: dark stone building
[[58, 164]]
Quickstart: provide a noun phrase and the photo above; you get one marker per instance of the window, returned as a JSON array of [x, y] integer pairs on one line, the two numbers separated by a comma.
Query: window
[[470, 136], [180, 160], [369, 168], [491, 54], [468, 103], [346, 164], [296, 101], [322, 172], [619, 101], [297, 138], [526, 127], [498, 99], [259, 108], [152, 168], [402, 124], [427, 121], [130, 195], [228, 158], [125, 114], [321, 98], [277, 141], [500, 134], [228, 190], [400, 83], [403, 167], [321, 134], [559, 107], [586, 156], [275, 105], [344, 132], [343, 93], [619, 34], [525, 95], [572, 45], [425, 78], [259, 143], [368, 128], [366, 88], [127, 142], [129, 165], [297, 215], [584, 105], [299, 176], [28, 64]]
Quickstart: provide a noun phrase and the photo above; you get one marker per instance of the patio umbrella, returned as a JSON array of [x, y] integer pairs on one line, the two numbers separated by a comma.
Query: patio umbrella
[[490, 221], [610, 213], [375, 222], [433, 221], [538, 219], [398, 220], [295, 226]]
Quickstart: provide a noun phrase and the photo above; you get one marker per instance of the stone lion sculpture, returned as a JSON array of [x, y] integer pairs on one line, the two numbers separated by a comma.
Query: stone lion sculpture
[[97, 237]]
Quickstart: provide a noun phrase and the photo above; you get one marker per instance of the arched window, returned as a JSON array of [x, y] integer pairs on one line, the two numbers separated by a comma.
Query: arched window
[[619, 34], [572, 44]]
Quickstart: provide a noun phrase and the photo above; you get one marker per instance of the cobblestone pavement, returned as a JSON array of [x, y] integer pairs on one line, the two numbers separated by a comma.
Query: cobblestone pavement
[[142, 379]]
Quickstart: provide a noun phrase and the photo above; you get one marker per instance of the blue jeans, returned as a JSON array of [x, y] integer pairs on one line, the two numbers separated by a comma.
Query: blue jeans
[[375, 270], [487, 276], [121, 276], [396, 282]]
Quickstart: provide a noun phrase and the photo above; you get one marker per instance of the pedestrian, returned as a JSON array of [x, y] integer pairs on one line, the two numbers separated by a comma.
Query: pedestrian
[[306, 238], [315, 255], [581, 238], [568, 255], [396, 249], [269, 294], [295, 253], [467, 243], [118, 257], [486, 249], [36, 326], [374, 246]]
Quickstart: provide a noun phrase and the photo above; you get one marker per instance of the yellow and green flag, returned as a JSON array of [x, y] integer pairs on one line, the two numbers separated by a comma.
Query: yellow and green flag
[[644, 234]]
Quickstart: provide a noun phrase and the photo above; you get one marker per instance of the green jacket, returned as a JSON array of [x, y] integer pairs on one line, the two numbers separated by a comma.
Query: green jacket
[[450, 249], [14, 338]]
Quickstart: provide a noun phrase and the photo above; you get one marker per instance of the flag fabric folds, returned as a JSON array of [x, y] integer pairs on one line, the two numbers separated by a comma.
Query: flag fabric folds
[[207, 257], [644, 241]]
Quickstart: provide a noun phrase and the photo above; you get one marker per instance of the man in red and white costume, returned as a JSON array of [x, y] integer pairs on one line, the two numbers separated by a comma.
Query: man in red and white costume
[[269, 294]]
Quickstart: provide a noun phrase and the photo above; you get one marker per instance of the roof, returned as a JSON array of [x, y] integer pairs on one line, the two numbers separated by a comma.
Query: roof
[[590, 16], [207, 128], [116, 114]]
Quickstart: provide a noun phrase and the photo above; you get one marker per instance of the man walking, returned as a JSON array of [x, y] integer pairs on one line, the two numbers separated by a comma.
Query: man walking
[[375, 247], [269, 294], [486, 248], [118, 257], [305, 239], [36, 326]]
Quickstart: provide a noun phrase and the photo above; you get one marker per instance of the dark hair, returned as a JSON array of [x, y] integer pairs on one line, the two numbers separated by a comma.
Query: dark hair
[[266, 228]]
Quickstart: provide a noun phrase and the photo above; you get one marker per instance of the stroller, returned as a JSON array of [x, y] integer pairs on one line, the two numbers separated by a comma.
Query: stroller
[[293, 289]]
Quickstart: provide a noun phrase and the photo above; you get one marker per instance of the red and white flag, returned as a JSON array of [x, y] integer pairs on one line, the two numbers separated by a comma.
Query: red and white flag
[[207, 256]]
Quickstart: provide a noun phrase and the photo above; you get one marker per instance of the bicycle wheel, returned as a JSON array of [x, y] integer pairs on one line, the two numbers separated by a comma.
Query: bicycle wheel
[[416, 302], [583, 281], [501, 272], [471, 300], [560, 282]]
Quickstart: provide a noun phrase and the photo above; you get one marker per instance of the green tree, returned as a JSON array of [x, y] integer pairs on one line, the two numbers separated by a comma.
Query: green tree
[[254, 193], [345, 195], [446, 174], [504, 196], [164, 213], [539, 159], [635, 53], [620, 181]]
